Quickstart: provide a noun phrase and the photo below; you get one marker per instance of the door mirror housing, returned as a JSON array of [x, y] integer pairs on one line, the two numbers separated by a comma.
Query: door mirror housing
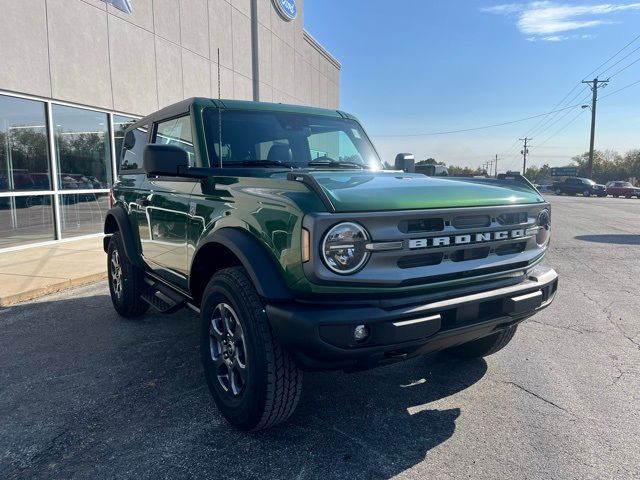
[[164, 160], [406, 162]]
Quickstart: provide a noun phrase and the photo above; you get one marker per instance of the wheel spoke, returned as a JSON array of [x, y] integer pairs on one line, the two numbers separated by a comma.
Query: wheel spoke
[[238, 378], [229, 320], [228, 350]]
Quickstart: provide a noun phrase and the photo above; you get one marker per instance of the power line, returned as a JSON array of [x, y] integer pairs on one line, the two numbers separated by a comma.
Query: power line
[[619, 90], [547, 119], [611, 58], [551, 118], [446, 132], [558, 131], [619, 61], [560, 118], [624, 68]]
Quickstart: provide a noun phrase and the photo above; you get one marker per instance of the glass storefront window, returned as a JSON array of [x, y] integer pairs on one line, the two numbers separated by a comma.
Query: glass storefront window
[[82, 148], [82, 213], [25, 219], [24, 159], [120, 124]]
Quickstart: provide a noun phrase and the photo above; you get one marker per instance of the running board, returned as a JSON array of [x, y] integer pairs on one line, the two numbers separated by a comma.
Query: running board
[[163, 299]]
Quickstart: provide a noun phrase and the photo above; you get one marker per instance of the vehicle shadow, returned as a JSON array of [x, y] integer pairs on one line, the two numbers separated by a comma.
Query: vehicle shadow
[[612, 238], [90, 394]]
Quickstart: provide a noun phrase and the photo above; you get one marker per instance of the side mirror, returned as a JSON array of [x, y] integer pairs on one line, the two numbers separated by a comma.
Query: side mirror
[[406, 162], [164, 160]]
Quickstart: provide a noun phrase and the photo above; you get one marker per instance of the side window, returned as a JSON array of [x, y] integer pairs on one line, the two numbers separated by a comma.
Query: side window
[[132, 148], [177, 132]]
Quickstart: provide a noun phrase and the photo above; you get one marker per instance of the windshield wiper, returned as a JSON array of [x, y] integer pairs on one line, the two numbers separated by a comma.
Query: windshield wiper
[[255, 163], [337, 163]]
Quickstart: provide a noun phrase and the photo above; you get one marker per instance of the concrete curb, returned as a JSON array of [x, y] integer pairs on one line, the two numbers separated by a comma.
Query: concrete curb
[[52, 288]]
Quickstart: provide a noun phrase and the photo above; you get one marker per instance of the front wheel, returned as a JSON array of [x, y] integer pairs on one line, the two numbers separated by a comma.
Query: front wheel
[[253, 380], [586, 193], [484, 346], [126, 281]]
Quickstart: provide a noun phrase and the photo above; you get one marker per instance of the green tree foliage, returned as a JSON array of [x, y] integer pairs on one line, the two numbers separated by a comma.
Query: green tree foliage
[[609, 165], [538, 174], [430, 161], [456, 171]]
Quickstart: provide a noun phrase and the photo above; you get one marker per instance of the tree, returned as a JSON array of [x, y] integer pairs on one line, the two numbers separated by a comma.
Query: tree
[[430, 161]]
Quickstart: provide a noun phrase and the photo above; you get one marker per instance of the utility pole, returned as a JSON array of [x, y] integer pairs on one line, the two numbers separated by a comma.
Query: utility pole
[[490, 165], [496, 165], [524, 152], [594, 88]]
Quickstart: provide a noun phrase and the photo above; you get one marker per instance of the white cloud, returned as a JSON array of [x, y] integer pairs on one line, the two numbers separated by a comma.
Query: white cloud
[[544, 20]]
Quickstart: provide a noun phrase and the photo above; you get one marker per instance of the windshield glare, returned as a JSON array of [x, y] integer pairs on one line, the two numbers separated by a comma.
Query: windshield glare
[[290, 139]]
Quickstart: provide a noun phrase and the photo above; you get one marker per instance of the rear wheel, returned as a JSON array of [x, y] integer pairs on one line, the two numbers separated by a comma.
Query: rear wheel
[[253, 380], [558, 192], [126, 281], [484, 346]]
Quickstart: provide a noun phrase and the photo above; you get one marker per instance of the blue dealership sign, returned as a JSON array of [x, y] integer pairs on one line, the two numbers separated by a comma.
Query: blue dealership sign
[[564, 172], [124, 5], [288, 9]]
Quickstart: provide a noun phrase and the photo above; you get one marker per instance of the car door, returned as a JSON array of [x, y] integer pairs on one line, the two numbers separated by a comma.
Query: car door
[[167, 208], [573, 186]]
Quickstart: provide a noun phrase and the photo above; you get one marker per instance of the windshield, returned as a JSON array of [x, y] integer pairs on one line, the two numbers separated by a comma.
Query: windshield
[[289, 139], [588, 182]]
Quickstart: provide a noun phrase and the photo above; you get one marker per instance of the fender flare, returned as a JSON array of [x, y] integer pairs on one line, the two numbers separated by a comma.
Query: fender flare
[[117, 216], [255, 259]]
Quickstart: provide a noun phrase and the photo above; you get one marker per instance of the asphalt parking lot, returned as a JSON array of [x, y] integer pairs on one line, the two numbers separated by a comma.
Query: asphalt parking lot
[[86, 394]]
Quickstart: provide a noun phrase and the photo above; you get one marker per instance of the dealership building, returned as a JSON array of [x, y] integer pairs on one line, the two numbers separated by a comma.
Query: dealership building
[[75, 73]]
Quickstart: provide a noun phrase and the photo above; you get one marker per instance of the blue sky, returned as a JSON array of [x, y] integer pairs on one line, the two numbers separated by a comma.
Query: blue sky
[[423, 66]]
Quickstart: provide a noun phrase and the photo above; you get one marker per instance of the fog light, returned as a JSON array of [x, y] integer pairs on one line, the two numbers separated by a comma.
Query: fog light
[[360, 333]]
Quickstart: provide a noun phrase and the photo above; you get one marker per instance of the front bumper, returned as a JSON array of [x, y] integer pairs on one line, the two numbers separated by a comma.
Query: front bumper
[[320, 335]]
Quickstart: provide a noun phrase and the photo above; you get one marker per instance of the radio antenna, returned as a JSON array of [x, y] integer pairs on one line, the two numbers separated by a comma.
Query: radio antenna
[[219, 114]]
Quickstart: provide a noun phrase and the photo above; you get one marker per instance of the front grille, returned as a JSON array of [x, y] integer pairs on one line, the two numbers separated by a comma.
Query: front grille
[[471, 221], [421, 225], [514, 218], [469, 254], [467, 274], [511, 249], [434, 245], [414, 261]]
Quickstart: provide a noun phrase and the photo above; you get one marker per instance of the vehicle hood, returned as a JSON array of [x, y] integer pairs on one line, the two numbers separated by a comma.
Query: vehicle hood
[[356, 191]]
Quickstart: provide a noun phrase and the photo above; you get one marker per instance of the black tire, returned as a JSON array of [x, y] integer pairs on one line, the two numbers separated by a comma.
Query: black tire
[[558, 192], [266, 390], [586, 193], [484, 346], [125, 297]]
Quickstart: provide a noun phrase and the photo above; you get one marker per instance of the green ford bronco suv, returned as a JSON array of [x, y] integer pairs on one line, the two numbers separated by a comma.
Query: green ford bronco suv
[[280, 225]]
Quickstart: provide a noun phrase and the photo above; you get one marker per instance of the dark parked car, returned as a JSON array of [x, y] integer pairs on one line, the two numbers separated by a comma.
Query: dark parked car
[[622, 189], [583, 186]]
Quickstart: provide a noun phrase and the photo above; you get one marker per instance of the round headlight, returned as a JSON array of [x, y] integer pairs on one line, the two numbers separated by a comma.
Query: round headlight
[[343, 248], [544, 222]]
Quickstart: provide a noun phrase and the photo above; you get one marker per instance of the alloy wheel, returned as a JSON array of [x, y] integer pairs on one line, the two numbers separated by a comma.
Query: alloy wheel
[[228, 349], [116, 273]]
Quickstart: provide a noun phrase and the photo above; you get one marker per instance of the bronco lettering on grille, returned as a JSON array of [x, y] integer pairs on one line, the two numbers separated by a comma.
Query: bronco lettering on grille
[[469, 238]]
